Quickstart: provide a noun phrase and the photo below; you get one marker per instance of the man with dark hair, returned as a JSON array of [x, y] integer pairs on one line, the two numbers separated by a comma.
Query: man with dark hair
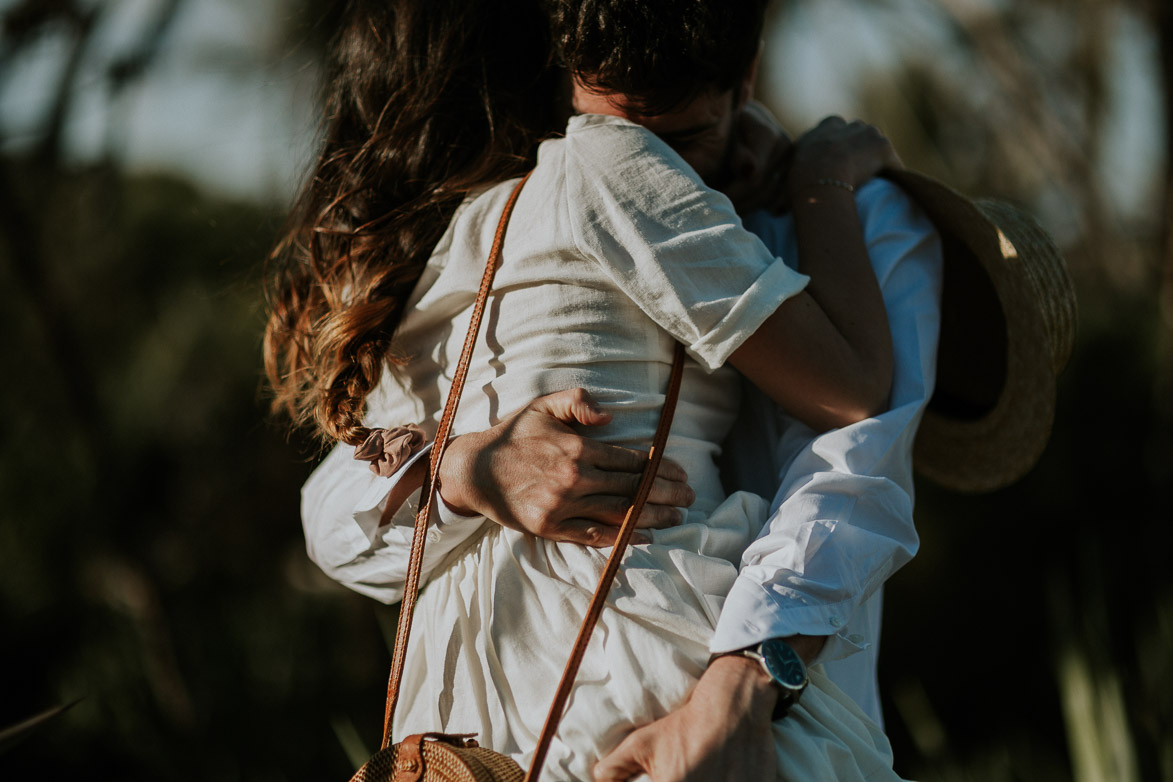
[[846, 497], [842, 520], [658, 54]]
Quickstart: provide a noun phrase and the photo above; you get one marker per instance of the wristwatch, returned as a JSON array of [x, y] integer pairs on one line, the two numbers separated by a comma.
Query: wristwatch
[[783, 665]]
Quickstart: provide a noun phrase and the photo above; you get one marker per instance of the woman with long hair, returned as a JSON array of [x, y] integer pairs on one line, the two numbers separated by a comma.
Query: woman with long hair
[[616, 251], [427, 101]]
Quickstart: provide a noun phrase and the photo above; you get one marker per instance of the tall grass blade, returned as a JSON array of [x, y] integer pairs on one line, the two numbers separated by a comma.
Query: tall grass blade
[[13, 735]]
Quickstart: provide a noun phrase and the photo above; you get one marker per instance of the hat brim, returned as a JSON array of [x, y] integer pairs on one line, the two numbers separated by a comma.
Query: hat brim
[[1008, 319]]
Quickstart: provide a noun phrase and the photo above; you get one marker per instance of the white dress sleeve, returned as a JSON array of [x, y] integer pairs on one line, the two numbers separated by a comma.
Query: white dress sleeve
[[675, 246], [341, 506]]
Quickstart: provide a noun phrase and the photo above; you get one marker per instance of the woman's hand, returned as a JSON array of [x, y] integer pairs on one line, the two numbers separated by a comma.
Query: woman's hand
[[838, 151], [534, 473], [825, 355], [768, 169]]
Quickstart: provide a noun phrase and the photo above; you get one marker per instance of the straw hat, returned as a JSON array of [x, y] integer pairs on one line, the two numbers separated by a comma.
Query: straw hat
[[1008, 319]]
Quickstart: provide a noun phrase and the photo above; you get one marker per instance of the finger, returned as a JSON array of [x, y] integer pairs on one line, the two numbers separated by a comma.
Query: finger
[[664, 491], [830, 123], [659, 517], [611, 510], [588, 532], [668, 492], [571, 406], [615, 458], [624, 762], [671, 471]]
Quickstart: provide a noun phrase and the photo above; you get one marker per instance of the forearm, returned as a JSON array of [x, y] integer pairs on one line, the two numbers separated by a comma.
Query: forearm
[[409, 482], [833, 252], [826, 354]]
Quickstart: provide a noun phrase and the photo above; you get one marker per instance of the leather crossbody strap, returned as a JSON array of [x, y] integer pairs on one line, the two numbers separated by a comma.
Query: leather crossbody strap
[[440, 444], [612, 567], [411, 586]]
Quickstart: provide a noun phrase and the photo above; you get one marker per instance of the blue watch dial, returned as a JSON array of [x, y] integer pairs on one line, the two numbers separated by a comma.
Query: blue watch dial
[[784, 664]]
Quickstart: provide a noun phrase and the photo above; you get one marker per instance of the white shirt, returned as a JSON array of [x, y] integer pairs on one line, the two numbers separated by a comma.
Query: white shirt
[[843, 519]]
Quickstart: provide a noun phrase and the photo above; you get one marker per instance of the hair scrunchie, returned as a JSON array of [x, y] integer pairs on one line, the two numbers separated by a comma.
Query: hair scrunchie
[[388, 449]]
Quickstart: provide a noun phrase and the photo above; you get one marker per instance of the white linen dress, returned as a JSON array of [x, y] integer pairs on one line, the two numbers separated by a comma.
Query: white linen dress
[[615, 251]]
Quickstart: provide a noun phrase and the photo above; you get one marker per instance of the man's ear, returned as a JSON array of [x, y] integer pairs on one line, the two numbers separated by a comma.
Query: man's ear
[[745, 89]]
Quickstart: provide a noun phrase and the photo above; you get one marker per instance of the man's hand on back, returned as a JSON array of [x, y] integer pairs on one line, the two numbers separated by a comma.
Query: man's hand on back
[[534, 473]]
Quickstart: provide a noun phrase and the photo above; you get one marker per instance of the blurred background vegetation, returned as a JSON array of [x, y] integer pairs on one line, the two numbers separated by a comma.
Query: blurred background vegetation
[[152, 568]]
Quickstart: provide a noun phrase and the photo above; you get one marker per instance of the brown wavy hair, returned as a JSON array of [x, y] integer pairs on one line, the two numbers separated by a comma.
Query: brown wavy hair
[[426, 101]]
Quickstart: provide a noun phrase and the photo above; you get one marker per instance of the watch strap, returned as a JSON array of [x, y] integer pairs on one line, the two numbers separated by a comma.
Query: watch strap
[[788, 694]]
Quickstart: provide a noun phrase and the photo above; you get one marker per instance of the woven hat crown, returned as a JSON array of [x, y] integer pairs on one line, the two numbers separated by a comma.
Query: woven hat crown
[[1008, 320]]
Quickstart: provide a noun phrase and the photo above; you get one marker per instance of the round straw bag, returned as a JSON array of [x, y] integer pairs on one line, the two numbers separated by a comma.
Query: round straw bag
[[439, 757]]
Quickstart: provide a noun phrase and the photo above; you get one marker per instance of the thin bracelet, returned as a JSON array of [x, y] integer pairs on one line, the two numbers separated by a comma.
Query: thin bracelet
[[850, 188]]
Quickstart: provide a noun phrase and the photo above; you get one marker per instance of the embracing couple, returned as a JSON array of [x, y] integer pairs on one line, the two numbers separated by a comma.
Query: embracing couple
[[664, 206]]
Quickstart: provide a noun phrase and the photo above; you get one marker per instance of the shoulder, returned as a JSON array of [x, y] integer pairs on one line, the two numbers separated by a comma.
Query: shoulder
[[617, 160], [898, 233], [617, 141]]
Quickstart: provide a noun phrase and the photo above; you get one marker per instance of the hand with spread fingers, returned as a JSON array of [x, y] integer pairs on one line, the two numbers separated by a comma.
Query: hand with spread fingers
[[534, 473]]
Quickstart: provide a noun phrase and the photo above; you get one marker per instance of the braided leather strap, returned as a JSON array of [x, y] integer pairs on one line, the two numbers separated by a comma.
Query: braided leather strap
[[411, 587], [612, 567]]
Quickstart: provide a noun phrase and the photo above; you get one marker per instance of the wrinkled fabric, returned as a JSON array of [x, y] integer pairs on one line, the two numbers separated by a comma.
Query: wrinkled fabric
[[492, 635], [615, 251], [855, 484]]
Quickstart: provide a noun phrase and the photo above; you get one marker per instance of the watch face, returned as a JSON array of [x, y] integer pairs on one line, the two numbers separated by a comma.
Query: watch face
[[784, 664]]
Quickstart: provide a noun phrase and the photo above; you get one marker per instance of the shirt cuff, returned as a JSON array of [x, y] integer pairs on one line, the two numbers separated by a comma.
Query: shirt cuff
[[751, 614], [375, 496], [444, 517]]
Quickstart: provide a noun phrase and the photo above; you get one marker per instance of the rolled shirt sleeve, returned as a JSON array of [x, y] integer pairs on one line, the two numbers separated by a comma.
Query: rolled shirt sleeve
[[676, 247]]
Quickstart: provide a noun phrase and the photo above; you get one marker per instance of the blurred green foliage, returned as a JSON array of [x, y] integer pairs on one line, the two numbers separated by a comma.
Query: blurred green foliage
[[1021, 600], [152, 560]]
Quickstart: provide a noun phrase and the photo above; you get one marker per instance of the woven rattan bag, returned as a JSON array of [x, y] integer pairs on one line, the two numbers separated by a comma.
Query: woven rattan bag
[[441, 757]]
